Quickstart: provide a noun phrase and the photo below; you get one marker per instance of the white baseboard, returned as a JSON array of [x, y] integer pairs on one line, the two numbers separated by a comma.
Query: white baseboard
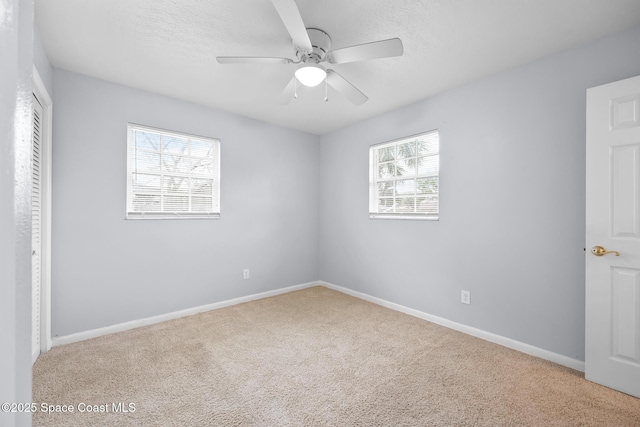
[[488, 336], [93, 333]]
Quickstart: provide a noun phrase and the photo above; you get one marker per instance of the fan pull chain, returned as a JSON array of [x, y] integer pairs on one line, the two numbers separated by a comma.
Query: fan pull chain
[[326, 91], [295, 88]]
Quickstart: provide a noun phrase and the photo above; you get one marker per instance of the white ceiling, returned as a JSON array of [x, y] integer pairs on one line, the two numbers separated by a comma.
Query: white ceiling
[[169, 47]]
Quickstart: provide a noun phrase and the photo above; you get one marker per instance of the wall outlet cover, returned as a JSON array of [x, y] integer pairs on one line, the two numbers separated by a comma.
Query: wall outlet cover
[[465, 297]]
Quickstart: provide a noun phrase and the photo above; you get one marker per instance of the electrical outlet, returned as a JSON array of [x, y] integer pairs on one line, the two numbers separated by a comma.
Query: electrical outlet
[[465, 297], [245, 273]]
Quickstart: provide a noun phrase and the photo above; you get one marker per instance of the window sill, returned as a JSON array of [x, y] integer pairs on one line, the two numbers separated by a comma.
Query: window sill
[[410, 217], [170, 217]]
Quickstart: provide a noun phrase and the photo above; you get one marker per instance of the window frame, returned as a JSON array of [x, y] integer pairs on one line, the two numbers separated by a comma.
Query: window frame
[[214, 213], [374, 180]]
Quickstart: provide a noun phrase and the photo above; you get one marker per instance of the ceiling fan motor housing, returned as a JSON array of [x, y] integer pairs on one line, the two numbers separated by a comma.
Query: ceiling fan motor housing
[[320, 42]]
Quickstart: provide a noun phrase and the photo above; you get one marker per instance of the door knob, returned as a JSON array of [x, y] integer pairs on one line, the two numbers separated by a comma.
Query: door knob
[[599, 251]]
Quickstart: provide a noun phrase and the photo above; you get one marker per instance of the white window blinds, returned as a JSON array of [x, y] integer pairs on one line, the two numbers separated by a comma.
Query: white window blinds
[[172, 175], [404, 178]]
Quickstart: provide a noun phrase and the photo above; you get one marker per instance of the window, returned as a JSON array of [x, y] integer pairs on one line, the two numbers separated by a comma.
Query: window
[[171, 175], [404, 178]]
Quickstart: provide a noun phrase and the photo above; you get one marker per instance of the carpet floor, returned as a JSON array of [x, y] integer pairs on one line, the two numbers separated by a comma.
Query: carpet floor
[[314, 357]]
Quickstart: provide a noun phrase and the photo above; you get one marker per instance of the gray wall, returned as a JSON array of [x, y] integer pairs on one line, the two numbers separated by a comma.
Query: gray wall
[[107, 270], [16, 45], [41, 62], [512, 201]]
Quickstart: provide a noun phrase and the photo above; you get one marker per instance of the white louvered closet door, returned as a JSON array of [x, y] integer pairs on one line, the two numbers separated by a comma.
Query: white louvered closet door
[[36, 225]]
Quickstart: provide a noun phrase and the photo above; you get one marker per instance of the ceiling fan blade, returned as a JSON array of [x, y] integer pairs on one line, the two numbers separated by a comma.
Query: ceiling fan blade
[[362, 52], [290, 15], [340, 84], [288, 93], [251, 60]]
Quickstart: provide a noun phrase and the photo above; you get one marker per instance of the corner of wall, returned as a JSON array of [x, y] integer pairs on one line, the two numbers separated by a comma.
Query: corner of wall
[[41, 61]]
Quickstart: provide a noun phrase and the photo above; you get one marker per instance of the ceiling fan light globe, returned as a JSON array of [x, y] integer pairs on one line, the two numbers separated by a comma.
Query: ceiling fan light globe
[[311, 75]]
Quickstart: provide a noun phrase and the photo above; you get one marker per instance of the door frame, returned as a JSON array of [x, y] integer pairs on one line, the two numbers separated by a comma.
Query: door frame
[[40, 91]]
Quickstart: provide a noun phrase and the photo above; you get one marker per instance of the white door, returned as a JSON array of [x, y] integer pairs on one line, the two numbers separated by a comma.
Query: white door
[[612, 335], [36, 226]]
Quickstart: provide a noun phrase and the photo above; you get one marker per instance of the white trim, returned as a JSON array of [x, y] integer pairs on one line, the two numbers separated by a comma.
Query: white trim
[[479, 333], [402, 216], [120, 327], [40, 90]]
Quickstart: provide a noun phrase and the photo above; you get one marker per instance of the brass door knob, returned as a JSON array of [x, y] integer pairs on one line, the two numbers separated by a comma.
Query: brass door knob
[[599, 251]]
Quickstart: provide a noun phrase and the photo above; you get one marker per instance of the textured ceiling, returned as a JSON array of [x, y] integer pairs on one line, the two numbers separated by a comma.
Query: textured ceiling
[[169, 47]]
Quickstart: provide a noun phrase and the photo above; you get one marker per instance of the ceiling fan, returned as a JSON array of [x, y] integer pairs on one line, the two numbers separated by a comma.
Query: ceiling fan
[[313, 47]]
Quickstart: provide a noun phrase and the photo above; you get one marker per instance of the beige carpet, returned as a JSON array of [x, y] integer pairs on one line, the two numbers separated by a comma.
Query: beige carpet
[[315, 357]]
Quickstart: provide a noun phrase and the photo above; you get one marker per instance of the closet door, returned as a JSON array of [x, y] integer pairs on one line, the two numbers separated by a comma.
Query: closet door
[[36, 226]]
